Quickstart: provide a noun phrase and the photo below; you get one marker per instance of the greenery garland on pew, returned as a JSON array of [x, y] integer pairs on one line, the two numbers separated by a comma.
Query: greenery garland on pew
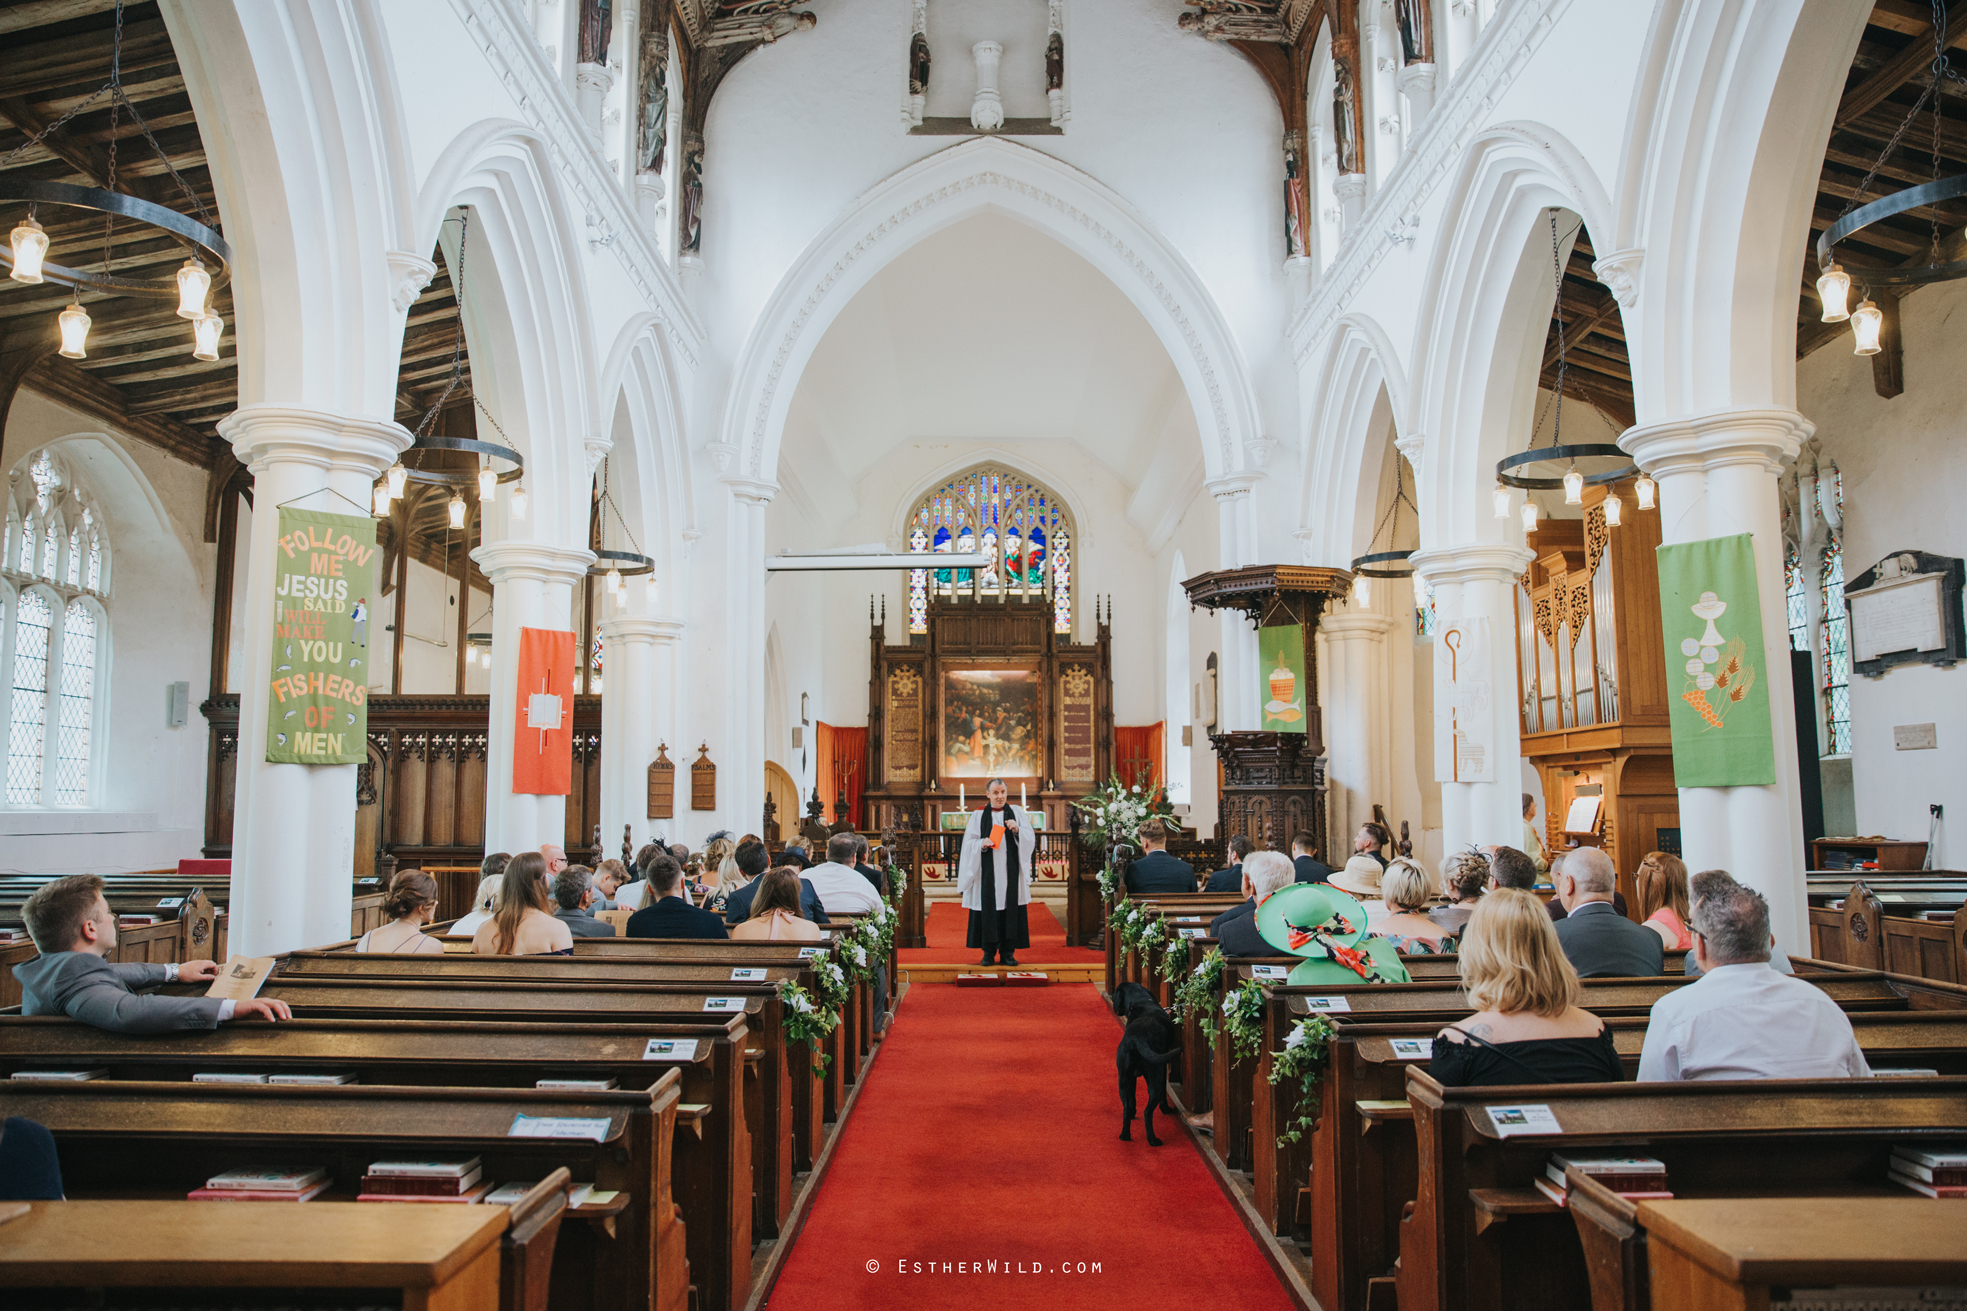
[[1174, 960], [1243, 1018], [1196, 994], [1305, 1055], [805, 1022]]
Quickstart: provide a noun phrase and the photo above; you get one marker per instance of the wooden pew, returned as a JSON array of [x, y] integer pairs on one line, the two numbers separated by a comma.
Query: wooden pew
[[444, 1258], [1363, 1168], [1480, 1236], [599, 1002], [1872, 933], [712, 1182], [1707, 1254], [158, 1141]]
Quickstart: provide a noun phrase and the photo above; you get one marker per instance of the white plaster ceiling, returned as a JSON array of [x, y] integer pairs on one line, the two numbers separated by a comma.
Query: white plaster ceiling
[[992, 332]]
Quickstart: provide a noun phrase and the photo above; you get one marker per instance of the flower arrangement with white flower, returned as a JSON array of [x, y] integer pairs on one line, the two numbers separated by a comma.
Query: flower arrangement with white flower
[[1196, 993], [806, 1022], [1307, 1051], [1116, 813], [1243, 1018]]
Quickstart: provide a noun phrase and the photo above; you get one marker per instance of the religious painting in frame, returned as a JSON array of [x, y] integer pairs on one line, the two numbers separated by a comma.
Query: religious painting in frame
[[990, 720]]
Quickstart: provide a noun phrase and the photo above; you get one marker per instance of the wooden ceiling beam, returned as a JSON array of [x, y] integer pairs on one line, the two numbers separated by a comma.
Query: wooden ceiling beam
[[69, 384], [1909, 62], [1577, 330]]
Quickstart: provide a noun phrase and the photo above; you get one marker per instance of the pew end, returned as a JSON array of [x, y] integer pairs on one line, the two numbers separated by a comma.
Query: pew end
[[526, 1248]]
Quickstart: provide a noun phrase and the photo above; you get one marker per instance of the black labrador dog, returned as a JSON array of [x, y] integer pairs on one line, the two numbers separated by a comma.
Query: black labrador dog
[[1148, 1044]]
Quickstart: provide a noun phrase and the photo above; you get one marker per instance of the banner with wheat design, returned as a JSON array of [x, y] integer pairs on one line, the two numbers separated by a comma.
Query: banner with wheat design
[[1711, 621]]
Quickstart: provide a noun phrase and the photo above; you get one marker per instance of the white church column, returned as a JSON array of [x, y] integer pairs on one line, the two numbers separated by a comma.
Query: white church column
[[628, 725], [1717, 477], [532, 587], [1236, 677], [741, 761], [293, 839], [1357, 719], [1471, 582]]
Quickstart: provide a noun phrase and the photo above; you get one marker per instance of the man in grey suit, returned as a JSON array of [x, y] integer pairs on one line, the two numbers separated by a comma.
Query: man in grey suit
[[1600, 942], [573, 888], [72, 926]]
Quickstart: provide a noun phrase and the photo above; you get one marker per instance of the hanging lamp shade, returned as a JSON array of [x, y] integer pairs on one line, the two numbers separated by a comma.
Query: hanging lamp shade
[[399, 478], [382, 500], [1644, 490], [194, 284], [488, 485], [1574, 486], [205, 334], [1529, 515], [1834, 290], [1501, 495], [1867, 322], [457, 508], [1362, 589], [1614, 511], [30, 246], [74, 332], [519, 501]]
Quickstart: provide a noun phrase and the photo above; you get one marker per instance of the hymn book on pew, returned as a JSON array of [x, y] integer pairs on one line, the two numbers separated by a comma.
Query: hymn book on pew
[[1934, 1172], [263, 1186], [577, 1085], [1641, 1178], [424, 1181], [61, 1076]]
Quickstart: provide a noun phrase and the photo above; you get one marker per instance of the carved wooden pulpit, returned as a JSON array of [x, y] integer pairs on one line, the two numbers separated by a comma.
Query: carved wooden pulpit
[[1274, 782]]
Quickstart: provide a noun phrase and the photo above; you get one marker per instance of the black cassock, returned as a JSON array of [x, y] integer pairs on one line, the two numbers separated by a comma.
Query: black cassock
[[991, 927]]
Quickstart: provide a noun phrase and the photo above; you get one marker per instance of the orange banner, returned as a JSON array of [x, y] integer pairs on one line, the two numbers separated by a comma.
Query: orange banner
[[543, 725]]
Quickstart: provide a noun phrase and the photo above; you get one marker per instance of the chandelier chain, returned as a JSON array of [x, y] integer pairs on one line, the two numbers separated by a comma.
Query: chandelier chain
[[608, 499], [457, 345], [115, 101]]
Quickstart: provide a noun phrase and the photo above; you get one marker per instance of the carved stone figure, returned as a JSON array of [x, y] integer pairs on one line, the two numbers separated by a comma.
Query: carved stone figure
[[691, 242], [918, 65], [597, 29], [1055, 61], [1415, 47], [758, 28], [654, 138], [1345, 126], [1297, 224]]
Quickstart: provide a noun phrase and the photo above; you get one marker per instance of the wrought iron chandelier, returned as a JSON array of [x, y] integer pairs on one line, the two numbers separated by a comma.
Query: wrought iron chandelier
[[617, 566], [207, 268], [1835, 279], [1389, 564], [1573, 480]]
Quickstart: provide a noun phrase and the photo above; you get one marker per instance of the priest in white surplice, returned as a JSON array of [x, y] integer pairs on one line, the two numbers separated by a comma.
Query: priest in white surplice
[[994, 876]]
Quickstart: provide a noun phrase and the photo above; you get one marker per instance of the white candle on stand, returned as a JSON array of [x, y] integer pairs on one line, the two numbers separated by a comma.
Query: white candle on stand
[[1022, 803], [961, 804]]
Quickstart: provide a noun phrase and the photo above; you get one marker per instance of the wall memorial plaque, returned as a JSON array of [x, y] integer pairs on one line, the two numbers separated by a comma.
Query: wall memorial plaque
[[662, 784], [703, 781], [1906, 610], [1077, 741], [903, 725]]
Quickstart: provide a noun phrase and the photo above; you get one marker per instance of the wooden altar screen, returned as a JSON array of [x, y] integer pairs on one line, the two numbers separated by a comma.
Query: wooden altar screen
[[990, 691]]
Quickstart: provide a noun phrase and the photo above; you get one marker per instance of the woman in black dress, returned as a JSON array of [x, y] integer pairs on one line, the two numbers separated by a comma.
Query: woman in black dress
[[1528, 1027]]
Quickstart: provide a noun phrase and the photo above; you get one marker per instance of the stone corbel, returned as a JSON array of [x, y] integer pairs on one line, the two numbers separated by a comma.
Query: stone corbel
[[1350, 188], [596, 449], [409, 274], [1417, 84], [722, 456], [1260, 450], [1619, 271]]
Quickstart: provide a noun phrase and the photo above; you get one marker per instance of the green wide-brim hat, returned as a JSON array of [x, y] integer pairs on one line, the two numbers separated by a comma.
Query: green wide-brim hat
[[1308, 906], [1326, 973]]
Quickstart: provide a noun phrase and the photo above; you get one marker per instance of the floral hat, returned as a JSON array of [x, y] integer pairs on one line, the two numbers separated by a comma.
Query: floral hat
[[1328, 928]]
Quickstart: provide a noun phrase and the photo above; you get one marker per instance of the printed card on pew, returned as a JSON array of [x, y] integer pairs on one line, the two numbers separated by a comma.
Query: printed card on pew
[[1328, 1005], [1412, 1049], [241, 979], [748, 974], [1279, 972], [807, 953], [554, 1126], [670, 1049], [576, 1085], [723, 1003], [1510, 1121]]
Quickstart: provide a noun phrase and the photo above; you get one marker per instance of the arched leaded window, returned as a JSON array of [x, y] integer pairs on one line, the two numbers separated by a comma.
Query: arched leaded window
[[1018, 523], [53, 637]]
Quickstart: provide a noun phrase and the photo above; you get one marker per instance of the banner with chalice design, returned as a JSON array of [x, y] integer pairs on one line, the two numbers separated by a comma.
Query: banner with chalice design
[[318, 687], [1711, 621]]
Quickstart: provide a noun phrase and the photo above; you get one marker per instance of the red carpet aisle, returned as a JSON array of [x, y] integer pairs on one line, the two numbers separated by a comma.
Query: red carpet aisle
[[987, 1132], [948, 922]]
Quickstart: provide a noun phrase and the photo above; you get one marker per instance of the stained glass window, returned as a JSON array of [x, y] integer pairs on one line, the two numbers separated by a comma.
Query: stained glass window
[[33, 628], [1836, 653], [1797, 599], [76, 705], [1018, 524]]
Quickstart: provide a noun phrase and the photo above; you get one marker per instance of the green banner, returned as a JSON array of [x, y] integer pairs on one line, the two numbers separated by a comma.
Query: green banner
[[1711, 622], [318, 688], [1281, 660]]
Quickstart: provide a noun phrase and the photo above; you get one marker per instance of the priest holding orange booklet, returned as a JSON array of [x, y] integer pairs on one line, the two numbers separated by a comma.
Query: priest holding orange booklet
[[994, 876]]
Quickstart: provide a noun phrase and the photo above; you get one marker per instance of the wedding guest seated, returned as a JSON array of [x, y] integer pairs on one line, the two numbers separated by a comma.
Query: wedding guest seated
[[524, 923], [1527, 1026], [1371, 841], [29, 1169], [1361, 877], [573, 890], [672, 915], [74, 930], [1661, 885], [839, 885], [1556, 904], [1407, 891], [1600, 941], [732, 875], [798, 851], [1156, 870], [1264, 872], [1310, 869], [775, 913], [1510, 868], [1741, 1019], [717, 853], [872, 873], [1464, 878], [486, 899], [411, 904], [556, 860], [1231, 879], [609, 875]]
